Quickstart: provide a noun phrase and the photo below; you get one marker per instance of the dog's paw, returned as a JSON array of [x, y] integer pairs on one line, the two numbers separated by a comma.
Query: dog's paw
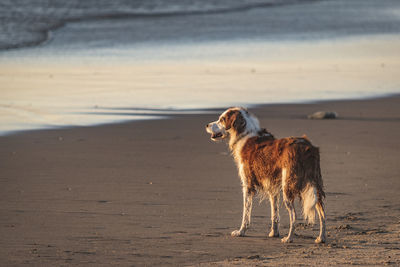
[[237, 233], [319, 240], [273, 234], [286, 239]]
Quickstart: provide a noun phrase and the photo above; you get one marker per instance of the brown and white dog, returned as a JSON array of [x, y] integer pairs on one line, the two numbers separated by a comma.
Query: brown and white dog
[[268, 166]]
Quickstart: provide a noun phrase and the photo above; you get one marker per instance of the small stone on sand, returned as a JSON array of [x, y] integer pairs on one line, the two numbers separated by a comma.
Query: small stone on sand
[[320, 115]]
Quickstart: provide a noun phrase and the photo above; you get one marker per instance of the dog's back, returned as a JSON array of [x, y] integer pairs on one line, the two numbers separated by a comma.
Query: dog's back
[[289, 164]]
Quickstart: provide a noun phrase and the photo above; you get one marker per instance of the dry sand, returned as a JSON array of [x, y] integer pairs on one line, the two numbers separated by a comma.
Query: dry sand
[[161, 193]]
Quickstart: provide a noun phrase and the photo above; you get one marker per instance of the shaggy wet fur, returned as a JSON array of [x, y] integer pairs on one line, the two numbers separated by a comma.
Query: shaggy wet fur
[[269, 166]]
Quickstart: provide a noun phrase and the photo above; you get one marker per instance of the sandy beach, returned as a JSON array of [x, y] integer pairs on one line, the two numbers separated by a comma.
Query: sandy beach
[[161, 193], [104, 157]]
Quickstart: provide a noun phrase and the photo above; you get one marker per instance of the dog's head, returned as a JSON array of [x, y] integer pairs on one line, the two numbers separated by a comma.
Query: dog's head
[[233, 122]]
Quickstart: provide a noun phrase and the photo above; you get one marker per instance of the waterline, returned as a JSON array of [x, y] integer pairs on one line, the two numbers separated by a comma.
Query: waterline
[[73, 91]]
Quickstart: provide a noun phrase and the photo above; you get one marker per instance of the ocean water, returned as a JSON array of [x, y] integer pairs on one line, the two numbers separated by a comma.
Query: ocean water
[[28, 22], [66, 63], [103, 23]]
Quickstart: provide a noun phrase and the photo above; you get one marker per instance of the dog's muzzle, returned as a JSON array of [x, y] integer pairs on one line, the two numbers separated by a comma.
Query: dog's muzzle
[[215, 130], [216, 135]]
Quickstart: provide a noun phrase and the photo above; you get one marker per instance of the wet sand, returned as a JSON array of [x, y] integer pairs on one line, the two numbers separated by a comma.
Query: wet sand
[[82, 90], [161, 193]]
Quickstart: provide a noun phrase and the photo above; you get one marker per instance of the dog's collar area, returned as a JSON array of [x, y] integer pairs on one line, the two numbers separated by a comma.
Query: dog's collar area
[[260, 133], [264, 132], [238, 138]]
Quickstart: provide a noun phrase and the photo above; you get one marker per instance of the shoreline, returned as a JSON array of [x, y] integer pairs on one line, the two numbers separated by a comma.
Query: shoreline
[[175, 113], [64, 91], [161, 193]]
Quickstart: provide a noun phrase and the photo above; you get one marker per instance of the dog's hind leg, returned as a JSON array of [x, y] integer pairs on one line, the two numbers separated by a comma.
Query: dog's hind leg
[[321, 213], [289, 203], [274, 201], [247, 205], [292, 216]]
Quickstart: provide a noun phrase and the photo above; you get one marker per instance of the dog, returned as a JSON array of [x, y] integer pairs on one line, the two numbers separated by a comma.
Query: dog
[[269, 166]]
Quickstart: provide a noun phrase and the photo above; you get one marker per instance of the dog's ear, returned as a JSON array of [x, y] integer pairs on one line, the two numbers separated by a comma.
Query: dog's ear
[[228, 120], [240, 123], [235, 119]]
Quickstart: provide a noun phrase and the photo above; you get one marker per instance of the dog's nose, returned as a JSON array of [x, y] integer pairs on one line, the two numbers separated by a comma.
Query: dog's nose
[[207, 125]]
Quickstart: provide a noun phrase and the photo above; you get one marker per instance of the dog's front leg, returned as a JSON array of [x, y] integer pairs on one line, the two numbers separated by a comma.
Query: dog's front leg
[[247, 205]]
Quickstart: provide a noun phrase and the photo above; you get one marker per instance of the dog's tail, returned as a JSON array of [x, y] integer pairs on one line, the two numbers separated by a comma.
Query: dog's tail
[[312, 195], [309, 199]]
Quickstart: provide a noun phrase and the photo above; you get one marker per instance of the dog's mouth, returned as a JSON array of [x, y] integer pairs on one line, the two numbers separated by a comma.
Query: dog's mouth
[[216, 135]]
